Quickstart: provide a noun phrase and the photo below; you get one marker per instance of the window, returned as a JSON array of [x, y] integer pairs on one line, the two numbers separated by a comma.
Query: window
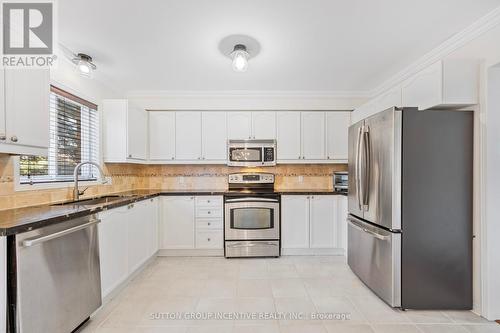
[[74, 137]]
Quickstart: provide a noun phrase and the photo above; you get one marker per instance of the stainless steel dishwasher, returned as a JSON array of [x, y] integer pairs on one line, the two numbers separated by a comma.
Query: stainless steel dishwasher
[[57, 277]]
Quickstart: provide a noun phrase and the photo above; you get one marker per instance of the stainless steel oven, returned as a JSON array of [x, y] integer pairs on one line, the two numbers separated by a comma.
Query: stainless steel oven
[[251, 216], [251, 153]]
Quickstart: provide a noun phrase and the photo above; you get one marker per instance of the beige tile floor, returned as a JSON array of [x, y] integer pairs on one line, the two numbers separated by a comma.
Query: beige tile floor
[[284, 285]]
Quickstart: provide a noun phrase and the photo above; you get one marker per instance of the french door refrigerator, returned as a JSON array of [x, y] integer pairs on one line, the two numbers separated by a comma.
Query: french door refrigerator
[[410, 207]]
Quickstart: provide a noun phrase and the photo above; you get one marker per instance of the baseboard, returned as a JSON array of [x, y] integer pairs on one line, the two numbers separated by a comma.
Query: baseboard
[[190, 253], [120, 286], [312, 252]]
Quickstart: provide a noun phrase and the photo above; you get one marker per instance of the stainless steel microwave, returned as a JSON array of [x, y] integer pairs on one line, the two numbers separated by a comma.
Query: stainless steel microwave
[[251, 153]]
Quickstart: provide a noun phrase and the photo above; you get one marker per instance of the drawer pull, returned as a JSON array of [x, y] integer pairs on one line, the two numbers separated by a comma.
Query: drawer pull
[[209, 223], [208, 239], [209, 212]]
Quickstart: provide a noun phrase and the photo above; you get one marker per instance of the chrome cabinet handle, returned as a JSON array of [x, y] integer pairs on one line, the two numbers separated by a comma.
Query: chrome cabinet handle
[[37, 240], [209, 223], [3, 137], [13, 138], [208, 239], [173, 158]]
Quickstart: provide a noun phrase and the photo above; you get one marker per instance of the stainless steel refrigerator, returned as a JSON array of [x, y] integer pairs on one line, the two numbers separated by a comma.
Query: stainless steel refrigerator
[[410, 207]]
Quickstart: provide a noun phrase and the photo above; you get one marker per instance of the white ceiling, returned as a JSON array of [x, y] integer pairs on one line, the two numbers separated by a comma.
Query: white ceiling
[[306, 45]]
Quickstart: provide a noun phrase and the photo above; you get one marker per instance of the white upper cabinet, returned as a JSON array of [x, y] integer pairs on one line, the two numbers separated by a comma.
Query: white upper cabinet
[[264, 125], [239, 125], [188, 135], [161, 135], [125, 129], [313, 135], [214, 136], [137, 133], [445, 84], [24, 109], [323, 221], [288, 135], [337, 128]]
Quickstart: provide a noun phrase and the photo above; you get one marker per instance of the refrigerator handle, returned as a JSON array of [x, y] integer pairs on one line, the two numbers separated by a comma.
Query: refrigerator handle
[[366, 167], [357, 167]]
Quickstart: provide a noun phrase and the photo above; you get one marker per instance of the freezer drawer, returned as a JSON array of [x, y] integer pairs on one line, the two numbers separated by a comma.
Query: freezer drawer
[[374, 255]]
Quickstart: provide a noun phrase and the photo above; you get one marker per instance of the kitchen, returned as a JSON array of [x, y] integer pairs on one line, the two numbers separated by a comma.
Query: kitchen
[[226, 167]]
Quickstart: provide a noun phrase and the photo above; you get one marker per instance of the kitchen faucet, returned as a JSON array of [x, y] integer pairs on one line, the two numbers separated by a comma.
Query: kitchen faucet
[[76, 191]]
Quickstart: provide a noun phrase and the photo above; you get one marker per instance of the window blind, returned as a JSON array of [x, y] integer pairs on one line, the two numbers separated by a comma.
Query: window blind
[[74, 138]]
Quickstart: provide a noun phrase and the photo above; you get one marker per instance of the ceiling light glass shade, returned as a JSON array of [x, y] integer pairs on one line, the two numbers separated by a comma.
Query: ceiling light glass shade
[[84, 64], [84, 68], [240, 58]]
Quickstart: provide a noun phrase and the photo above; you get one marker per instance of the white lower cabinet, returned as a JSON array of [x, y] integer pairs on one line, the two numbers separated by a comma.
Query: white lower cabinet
[[127, 239], [177, 222], [311, 223], [3, 284], [113, 248], [189, 222]]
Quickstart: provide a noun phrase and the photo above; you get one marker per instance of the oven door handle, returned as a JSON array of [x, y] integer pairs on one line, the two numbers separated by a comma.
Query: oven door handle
[[252, 199], [238, 245]]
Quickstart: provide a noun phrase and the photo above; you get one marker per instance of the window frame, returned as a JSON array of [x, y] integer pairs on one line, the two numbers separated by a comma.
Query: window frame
[[18, 186]]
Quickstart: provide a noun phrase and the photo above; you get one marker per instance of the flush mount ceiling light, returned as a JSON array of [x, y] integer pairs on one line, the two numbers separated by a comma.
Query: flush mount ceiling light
[[84, 64], [240, 58], [239, 48]]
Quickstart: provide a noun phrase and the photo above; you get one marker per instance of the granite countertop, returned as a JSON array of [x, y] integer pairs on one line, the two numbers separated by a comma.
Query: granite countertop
[[14, 221]]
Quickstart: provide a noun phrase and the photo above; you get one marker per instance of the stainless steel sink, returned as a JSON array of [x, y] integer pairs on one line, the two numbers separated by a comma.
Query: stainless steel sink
[[96, 201]]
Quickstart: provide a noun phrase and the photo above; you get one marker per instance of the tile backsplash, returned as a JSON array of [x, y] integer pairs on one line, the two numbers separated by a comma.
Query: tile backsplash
[[134, 176]]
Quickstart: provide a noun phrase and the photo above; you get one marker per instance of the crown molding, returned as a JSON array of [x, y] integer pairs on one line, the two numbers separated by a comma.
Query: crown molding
[[482, 25], [248, 100]]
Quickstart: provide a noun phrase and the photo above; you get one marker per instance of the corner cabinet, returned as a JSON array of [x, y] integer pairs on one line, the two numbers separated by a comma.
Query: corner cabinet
[[128, 237], [449, 83], [24, 94], [125, 132], [312, 225]]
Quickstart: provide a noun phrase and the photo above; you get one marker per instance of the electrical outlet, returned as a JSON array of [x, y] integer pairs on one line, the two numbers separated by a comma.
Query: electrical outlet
[[301, 179], [109, 180]]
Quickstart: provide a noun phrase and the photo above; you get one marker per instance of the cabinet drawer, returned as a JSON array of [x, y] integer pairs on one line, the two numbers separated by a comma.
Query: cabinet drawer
[[208, 212], [209, 224], [209, 201], [209, 239]]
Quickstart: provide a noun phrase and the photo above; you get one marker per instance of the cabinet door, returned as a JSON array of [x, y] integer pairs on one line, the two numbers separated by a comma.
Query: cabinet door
[[323, 221], [138, 235], [288, 135], [264, 125], [424, 90], [3, 283], [3, 132], [177, 227], [188, 135], [152, 223], [295, 221], [313, 135], [161, 135], [337, 128], [239, 125], [113, 248], [214, 136], [137, 124], [27, 107], [342, 213]]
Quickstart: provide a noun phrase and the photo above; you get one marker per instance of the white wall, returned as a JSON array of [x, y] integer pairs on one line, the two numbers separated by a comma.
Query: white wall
[[65, 76], [491, 230]]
